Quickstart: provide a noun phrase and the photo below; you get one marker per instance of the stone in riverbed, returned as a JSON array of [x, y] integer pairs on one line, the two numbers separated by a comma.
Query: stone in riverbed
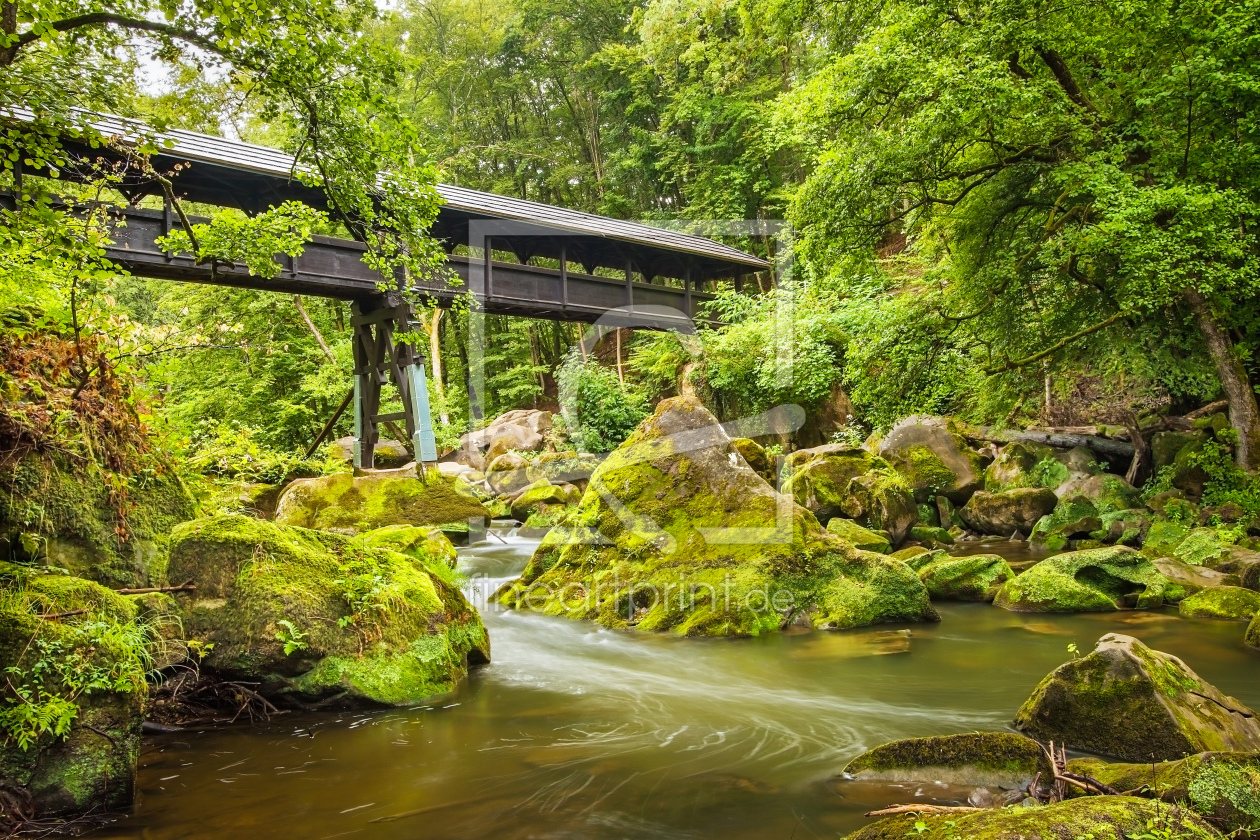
[[1222, 787], [981, 759], [1072, 517], [362, 622], [1003, 514], [1130, 702], [1232, 603], [538, 498], [676, 533], [976, 577], [350, 504], [858, 536], [1093, 816], [934, 458], [880, 500], [1096, 580]]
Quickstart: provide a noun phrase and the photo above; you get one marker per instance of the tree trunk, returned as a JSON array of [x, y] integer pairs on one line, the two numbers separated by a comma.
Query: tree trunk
[[1244, 415]]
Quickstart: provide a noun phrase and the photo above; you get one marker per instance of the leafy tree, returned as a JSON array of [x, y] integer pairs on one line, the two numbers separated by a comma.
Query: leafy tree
[[1067, 176]]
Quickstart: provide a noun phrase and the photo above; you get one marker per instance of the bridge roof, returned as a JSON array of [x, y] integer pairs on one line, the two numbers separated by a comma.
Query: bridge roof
[[234, 174]]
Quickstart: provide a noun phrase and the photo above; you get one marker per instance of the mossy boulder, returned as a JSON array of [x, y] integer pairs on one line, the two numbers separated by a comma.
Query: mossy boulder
[[976, 577], [1096, 580], [1127, 701], [1073, 517], [1203, 547], [1095, 816], [423, 543], [508, 473], [78, 652], [1221, 787], [1016, 465], [1252, 637], [75, 518], [538, 498], [1192, 578], [1123, 527], [933, 456], [362, 623], [756, 457], [676, 535], [350, 504], [562, 467], [880, 500], [929, 535], [1107, 492], [984, 759], [1232, 603], [1007, 512], [857, 536], [820, 476]]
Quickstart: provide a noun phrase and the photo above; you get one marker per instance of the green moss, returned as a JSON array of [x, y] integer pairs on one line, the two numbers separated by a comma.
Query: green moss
[[1097, 580], [857, 536], [1163, 538], [994, 758], [686, 543], [1203, 547], [973, 578], [1167, 710], [1096, 817], [427, 545], [1222, 787], [360, 606], [349, 503], [96, 525], [1072, 516], [1228, 602], [923, 468], [931, 536]]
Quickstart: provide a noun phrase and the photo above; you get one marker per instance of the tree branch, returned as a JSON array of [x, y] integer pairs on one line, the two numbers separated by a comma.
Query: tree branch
[[106, 19], [1058, 67], [1059, 345]]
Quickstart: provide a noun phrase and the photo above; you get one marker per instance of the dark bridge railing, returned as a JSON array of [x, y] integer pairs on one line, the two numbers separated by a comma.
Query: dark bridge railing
[[334, 268]]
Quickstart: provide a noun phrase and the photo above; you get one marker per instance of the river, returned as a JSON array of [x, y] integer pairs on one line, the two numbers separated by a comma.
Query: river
[[578, 732]]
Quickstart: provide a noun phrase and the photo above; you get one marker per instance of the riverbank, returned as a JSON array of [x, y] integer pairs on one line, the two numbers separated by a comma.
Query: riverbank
[[587, 732]]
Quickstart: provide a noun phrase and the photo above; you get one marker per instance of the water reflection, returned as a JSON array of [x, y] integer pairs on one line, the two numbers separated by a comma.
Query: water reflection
[[578, 732]]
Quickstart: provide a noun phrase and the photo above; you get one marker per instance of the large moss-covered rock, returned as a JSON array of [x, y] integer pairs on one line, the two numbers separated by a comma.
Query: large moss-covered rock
[[1095, 816], [755, 456], [976, 577], [1073, 517], [820, 476], [78, 652], [1232, 603], [350, 504], [1222, 787], [880, 500], [75, 518], [1107, 492], [857, 536], [1008, 512], [538, 498], [1024, 464], [1127, 701], [990, 759], [1096, 580], [359, 620], [1252, 637], [675, 533], [934, 457], [1192, 578]]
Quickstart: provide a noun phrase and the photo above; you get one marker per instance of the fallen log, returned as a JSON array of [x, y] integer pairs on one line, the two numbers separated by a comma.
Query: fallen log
[[923, 808], [145, 590], [1097, 443]]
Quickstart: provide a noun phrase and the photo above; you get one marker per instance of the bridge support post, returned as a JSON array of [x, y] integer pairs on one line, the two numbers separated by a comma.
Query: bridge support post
[[378, 358]]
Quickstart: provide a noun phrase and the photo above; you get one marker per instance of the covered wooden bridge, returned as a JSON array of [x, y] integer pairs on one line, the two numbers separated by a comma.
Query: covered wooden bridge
[[592, 265]]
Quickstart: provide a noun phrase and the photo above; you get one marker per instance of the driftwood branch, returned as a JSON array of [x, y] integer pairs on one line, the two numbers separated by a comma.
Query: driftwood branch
[[67, 614], [1210, 408]]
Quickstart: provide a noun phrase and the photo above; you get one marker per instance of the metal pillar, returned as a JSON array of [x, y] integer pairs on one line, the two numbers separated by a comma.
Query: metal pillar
[[379, 358]]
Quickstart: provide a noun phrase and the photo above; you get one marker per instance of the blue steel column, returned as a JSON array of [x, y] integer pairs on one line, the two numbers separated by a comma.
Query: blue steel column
[[423, 441]]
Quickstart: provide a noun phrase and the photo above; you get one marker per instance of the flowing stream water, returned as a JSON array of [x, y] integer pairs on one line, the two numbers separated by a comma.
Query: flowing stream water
[[579, 732]]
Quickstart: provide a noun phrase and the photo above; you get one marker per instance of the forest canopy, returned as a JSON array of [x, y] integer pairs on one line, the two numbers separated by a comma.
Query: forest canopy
[[1013, 212]]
